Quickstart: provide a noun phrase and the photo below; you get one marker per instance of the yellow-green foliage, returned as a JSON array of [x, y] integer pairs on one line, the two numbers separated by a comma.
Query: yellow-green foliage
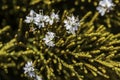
[[92, 54]]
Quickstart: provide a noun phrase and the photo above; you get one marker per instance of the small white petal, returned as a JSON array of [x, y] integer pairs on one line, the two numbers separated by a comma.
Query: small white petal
[[50, 22], [32, 13], [30, 17], [46, 18], [50, 44], [54, 16]]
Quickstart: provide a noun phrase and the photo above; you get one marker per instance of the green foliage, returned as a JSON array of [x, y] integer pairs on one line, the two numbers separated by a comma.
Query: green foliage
[[93, 53]]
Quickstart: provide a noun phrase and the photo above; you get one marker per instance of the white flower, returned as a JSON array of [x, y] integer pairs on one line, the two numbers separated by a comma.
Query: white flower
[[38, 20], [50, 36], [30, 17], [29, 69], [54, 16], [48, 39], [105, 6], [71, 24]]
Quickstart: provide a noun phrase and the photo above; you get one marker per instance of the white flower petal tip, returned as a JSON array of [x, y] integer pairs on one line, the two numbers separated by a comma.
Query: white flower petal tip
[[38, 78]]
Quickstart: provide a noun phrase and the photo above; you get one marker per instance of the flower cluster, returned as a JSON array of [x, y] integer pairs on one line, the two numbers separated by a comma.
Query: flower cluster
[[40, 19], [105, 6], [71, 24], [48, 39], [30, 71]]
